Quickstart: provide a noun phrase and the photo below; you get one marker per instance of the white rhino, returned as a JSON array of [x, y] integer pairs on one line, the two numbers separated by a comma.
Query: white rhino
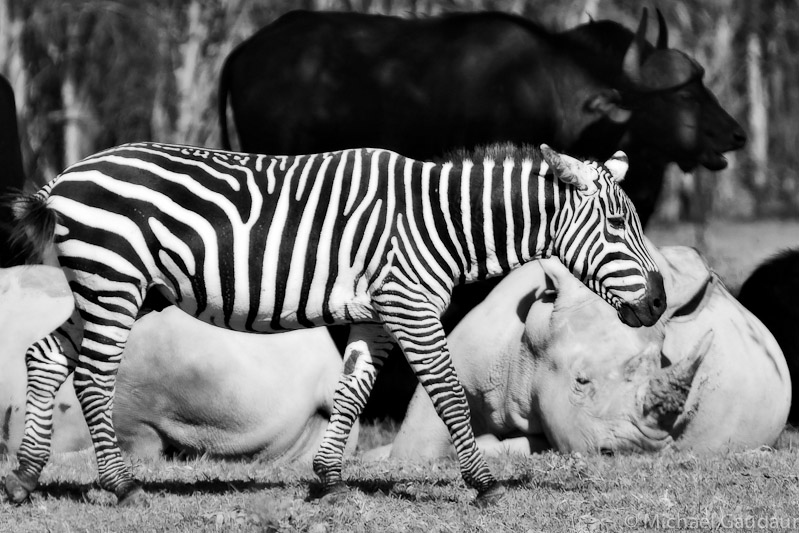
[[34, 300], [184, 386], [546, 364]]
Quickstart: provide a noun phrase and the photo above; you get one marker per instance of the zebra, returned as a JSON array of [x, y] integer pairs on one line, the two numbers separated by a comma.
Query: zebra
[[264, 244]]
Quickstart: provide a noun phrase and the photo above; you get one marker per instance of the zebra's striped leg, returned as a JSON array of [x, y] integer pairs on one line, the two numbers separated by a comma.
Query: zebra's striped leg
[[367, 348], [414, 323], [95, 377], [48, 366]]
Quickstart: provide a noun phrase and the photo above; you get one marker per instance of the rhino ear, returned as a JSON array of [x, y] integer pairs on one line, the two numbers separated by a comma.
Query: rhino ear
[[686, 277], [570, 170], [618, 165]]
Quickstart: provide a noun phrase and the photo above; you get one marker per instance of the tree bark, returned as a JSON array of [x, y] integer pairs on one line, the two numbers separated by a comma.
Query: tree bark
[[758, 100]]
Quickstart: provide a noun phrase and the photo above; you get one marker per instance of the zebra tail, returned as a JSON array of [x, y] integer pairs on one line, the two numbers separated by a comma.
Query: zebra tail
[[34, 227]]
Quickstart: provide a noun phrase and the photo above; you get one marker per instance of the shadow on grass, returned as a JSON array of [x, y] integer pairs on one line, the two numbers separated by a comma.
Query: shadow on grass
[[80, 491], [409, 489]]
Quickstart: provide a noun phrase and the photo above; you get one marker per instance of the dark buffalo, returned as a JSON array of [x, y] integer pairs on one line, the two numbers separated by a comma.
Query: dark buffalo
[[771, 293], [317, 81], [12, 177], [676, 118]]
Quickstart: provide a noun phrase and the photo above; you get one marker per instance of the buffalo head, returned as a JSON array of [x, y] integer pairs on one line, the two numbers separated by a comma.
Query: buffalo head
[[675, 113]]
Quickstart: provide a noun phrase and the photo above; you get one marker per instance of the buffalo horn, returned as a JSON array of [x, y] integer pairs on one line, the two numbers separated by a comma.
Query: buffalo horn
[[632, 58], [663, 32]]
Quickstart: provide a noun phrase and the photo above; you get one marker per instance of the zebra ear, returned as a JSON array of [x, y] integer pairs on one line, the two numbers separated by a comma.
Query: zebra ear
[[617, 165], [570, 170]]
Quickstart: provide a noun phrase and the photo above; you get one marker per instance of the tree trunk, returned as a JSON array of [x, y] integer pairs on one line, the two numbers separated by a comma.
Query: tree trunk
[[80, 123], [758, 104]]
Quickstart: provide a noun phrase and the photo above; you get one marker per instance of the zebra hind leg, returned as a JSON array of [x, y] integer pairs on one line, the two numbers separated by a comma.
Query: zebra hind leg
[[416, 327], [95, 377], [49, 362], [367, 347]]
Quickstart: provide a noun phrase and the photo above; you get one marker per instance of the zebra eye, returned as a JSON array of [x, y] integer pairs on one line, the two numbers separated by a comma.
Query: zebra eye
[[616, 221]]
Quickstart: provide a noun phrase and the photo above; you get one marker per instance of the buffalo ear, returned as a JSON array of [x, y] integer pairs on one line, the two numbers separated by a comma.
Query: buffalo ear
[[570, 170], [606, 103], [618, 165]]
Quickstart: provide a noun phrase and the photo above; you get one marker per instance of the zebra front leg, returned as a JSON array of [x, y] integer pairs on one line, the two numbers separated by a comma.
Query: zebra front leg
[[95, 378], [47, 366], [368, 346], [415, 324]]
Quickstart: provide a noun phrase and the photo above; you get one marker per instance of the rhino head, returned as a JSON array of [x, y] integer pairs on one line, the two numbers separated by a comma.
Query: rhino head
[[590, 398]]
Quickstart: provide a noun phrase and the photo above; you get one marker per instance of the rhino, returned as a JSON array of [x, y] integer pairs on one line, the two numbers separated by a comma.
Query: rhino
[[546, 365], [35, 301], [185, 387]]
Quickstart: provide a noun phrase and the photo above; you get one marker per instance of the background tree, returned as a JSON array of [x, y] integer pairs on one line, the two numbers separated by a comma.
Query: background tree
[[92, 74]]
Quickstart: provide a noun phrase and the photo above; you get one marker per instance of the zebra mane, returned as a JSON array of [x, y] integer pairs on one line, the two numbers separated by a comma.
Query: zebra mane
[[494, 152]]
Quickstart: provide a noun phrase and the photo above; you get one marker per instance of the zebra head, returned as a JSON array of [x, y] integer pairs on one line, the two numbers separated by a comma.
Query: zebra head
[[600, 239]]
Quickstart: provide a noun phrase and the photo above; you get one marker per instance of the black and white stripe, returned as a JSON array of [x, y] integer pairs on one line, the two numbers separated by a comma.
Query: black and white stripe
[[271, 243]]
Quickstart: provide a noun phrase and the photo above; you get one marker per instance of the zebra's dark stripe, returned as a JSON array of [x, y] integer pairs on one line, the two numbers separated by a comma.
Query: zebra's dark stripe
[[265, 244]]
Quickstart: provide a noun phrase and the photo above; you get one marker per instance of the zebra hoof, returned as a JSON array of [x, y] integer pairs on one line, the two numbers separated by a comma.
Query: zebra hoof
[[132, 497], [335, 494], [490, 496], [17, 488]]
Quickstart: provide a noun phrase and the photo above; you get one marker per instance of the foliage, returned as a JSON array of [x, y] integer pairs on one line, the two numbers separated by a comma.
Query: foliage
[[146, 70]]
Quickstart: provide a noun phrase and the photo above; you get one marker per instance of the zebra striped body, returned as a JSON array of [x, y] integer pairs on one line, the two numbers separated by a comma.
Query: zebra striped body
[[264, 244]]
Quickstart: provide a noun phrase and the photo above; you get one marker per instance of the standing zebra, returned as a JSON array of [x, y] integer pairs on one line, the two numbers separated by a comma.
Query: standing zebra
[[264, 244]]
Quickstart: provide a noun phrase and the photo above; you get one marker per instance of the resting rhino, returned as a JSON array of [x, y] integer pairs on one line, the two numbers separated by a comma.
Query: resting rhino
[[556, 369], [34, 301], [184, 386], [189, 387]]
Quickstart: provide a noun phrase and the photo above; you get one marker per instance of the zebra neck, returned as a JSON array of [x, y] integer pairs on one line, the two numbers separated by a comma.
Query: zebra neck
[[500, 214]]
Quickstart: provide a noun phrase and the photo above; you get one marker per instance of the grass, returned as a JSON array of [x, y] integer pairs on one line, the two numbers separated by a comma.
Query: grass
[[550, 492], [546, 492]]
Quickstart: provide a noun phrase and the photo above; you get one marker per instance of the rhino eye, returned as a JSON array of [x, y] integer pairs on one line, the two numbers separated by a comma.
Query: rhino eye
[[583, 381]]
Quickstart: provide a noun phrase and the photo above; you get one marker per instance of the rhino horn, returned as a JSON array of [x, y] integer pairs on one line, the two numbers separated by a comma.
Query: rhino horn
[[663, 32], [668, 390], [633, 57]]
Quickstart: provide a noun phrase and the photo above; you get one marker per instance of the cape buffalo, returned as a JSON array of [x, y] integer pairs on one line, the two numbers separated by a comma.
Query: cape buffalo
[[319, 81], [771, 293], [12, 178]]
